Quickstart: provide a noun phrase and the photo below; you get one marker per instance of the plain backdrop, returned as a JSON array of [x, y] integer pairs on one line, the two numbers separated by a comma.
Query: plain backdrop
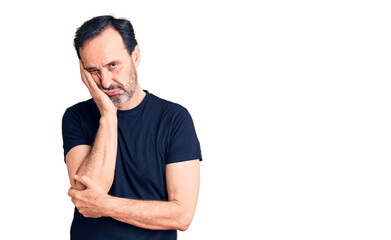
[[290, 99]]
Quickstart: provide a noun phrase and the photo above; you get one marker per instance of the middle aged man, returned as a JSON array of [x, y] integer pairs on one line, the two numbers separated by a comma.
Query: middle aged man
[[132, 158]]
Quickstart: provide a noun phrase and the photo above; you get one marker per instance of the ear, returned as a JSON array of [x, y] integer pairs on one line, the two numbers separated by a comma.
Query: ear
[[136, 56]]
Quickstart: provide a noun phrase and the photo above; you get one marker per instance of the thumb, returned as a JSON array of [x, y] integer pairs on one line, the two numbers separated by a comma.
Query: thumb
[[85, 180]]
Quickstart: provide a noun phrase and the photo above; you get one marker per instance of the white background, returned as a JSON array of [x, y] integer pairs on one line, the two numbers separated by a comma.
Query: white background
[[290, 99]]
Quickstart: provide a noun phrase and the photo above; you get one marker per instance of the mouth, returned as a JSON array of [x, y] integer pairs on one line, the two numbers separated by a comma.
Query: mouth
[[113, 93]]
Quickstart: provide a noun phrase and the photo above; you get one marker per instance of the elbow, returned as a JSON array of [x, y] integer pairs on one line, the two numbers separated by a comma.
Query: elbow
[[181, 215], [183, 228], [184, 221]]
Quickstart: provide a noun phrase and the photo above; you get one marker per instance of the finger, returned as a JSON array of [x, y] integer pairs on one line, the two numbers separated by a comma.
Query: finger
[[93, 215], [78, 178], [87, 78], [79, 204], [72, 192], [81, 211], [90, 214], [85, 180], [85, 212], [83, 76]]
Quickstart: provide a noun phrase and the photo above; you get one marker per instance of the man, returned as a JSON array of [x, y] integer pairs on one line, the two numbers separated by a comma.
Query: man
[[132, 158]]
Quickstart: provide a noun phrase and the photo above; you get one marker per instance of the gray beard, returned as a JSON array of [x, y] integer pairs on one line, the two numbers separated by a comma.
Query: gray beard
[[121, 100]]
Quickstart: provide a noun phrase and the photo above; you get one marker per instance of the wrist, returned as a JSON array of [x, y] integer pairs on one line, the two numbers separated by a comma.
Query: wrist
[[108, 119], [109, 206]]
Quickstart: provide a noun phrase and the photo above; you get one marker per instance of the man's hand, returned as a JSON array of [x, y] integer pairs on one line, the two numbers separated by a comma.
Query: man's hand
[[105, 105], [90, 202]]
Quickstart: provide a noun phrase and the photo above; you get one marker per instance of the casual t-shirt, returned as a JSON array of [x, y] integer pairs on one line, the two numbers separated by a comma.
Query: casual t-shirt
[[155, 133]]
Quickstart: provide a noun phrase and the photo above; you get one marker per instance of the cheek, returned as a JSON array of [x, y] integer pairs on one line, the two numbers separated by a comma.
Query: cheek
[[117, 70], [121, 76]]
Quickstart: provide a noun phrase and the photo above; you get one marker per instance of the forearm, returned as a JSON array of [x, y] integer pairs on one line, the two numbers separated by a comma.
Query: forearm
[[156, 215], [99, 165]]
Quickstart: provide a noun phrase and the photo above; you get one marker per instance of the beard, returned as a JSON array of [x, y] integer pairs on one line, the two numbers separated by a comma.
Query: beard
[[129, 89]]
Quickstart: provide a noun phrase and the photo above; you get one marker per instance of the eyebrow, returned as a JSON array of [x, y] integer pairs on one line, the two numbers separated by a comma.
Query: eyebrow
[[94, 68], [90, 68]]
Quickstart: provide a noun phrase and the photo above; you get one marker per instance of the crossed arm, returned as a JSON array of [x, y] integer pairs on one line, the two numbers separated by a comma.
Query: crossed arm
[[91, 173], [177, 213]]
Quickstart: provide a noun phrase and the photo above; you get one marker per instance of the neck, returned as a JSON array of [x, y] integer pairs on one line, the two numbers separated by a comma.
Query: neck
[[136, 99]]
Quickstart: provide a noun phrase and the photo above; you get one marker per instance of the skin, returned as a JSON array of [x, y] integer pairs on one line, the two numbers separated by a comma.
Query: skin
[[106, 64]]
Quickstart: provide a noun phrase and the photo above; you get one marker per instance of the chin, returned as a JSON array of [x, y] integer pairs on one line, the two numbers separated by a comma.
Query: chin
[[120, 101]]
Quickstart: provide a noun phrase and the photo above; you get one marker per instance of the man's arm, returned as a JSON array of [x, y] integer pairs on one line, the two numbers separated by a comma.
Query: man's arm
[[96, 162], [183, 181]]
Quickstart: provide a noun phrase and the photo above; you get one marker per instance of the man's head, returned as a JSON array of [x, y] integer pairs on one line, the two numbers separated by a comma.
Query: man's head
[[108, 50], [95, 27]]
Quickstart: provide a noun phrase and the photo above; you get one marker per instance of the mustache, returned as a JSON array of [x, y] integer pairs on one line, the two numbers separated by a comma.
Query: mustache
[[110, 88]]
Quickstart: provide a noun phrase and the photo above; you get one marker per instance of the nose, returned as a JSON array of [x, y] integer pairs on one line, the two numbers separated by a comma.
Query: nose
[[106, 78]]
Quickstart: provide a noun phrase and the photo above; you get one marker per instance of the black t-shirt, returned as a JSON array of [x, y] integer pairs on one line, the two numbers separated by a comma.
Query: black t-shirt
[[155, 133]]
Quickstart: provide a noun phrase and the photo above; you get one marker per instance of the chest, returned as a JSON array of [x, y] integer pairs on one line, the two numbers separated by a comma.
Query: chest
[[141, 159]]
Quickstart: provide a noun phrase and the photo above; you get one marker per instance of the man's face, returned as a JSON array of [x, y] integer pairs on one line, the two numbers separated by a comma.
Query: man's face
[[111, 66]]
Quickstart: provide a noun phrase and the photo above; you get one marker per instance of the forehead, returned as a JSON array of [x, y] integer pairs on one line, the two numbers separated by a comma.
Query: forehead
[[103, 48]]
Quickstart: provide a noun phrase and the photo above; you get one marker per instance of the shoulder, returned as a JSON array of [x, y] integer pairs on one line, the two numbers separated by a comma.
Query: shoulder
[[182, 141], [82, 108], [166, 107], [171, 114]]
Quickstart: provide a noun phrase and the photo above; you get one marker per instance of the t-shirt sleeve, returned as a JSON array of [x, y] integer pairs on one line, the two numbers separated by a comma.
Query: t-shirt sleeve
[[184, 144], [72, 132]]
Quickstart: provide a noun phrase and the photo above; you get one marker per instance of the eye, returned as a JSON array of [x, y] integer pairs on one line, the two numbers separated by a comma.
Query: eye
[[113, 65]]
